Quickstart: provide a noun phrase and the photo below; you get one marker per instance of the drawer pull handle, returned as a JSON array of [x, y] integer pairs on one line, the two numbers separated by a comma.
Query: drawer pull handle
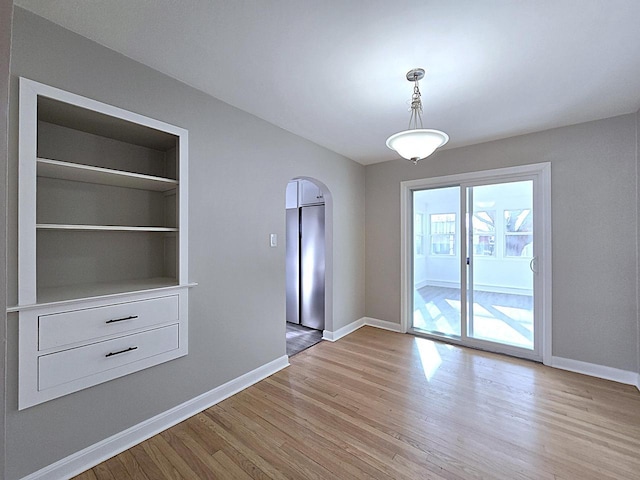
[[111, 354], [121, 319]]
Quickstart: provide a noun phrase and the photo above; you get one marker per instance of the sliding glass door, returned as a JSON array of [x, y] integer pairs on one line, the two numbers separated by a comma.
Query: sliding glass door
[[436, 266], [474, 273], [500, 236]]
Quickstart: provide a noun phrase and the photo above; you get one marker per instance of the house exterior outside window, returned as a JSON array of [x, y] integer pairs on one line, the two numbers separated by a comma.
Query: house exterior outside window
[[443, 233], [518, 233]]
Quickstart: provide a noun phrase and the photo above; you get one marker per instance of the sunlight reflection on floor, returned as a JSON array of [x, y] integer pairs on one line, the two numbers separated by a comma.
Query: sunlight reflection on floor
[[429, 357]]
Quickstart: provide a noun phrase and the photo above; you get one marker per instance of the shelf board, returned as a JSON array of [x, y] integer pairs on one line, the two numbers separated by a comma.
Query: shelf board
[[71, 292], [102, 176], [103, 228], [74, 293]]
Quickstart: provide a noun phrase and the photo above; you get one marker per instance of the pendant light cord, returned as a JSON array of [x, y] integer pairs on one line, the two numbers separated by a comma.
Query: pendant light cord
[[415, 121]]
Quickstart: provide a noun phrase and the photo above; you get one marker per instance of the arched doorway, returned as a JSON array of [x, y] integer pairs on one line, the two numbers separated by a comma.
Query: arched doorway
[[308, 263]]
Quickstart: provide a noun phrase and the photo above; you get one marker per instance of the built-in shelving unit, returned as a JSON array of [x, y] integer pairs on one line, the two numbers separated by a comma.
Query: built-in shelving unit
[[103, 204]]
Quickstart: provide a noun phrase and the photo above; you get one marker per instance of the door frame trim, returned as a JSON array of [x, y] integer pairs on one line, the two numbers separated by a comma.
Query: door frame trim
[[542, 204]]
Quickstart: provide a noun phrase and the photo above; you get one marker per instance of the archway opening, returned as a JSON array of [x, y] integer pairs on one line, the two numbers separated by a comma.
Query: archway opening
[[309, 242]]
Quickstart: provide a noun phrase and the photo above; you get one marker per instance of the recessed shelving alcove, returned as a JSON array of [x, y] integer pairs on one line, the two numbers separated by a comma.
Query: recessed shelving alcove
[[103, 202]]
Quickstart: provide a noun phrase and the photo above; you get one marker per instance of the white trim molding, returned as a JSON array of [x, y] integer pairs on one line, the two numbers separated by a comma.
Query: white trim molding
[[594, 370], [374, 322], [93, 455], [353, 326], [342, 332]]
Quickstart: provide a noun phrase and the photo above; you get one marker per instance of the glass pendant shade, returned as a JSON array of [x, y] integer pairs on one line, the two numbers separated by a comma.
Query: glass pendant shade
[[417, 143]]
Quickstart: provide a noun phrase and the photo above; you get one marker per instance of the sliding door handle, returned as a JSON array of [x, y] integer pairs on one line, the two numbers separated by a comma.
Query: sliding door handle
[[533, 264]]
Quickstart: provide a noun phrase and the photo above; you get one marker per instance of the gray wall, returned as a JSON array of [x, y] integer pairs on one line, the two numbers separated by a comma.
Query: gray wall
[[638, 224], [239, 169], [6, 17], [594, 231]]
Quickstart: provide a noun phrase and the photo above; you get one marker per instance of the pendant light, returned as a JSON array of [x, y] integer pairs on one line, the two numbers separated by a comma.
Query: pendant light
[[417, 142]]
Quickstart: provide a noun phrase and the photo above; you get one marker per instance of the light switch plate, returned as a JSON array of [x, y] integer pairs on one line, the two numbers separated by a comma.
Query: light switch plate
[[273, 239]]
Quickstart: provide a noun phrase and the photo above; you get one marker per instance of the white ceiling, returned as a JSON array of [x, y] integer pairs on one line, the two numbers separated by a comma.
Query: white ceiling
[[333, 71]]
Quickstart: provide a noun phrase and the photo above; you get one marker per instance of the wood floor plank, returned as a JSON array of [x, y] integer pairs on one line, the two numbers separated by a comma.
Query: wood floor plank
[[175, 465], [378, 404], [350, 445], [132, 468], [210, 443], [197, 460], [228, 468], [88, 475], [152, 466], [302, 465], [369, 432], [411, 430], [275, 467], [102, 472], [115, 467], [319, 447]]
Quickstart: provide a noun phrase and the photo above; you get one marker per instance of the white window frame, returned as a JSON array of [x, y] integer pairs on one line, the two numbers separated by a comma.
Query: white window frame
[[454, 248], [419, 236]]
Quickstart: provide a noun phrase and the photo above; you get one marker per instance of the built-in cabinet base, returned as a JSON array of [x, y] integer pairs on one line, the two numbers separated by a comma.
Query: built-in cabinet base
[[67, 346]]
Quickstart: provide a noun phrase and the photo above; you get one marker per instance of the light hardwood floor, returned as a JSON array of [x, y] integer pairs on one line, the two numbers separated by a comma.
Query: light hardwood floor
[[363, 407]]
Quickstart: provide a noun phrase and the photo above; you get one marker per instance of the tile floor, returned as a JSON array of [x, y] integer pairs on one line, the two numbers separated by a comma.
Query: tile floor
[[300, 338]]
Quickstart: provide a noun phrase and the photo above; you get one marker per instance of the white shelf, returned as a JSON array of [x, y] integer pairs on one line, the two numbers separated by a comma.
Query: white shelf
[[72, 292], [102, 228], [102, 176], [71, 295]]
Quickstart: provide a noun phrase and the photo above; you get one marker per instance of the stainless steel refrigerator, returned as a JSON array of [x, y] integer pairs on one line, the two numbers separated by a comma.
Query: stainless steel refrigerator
[[305, 266]]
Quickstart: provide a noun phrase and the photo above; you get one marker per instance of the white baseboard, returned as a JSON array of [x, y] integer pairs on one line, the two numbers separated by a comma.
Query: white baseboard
[[341, 332], [353, 326], [594, 370], [91, 456], [429, 282], [374, 322], [420, 284]]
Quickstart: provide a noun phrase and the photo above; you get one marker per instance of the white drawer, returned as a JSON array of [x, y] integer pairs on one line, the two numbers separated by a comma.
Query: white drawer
[[67, 328], [69, 365]]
